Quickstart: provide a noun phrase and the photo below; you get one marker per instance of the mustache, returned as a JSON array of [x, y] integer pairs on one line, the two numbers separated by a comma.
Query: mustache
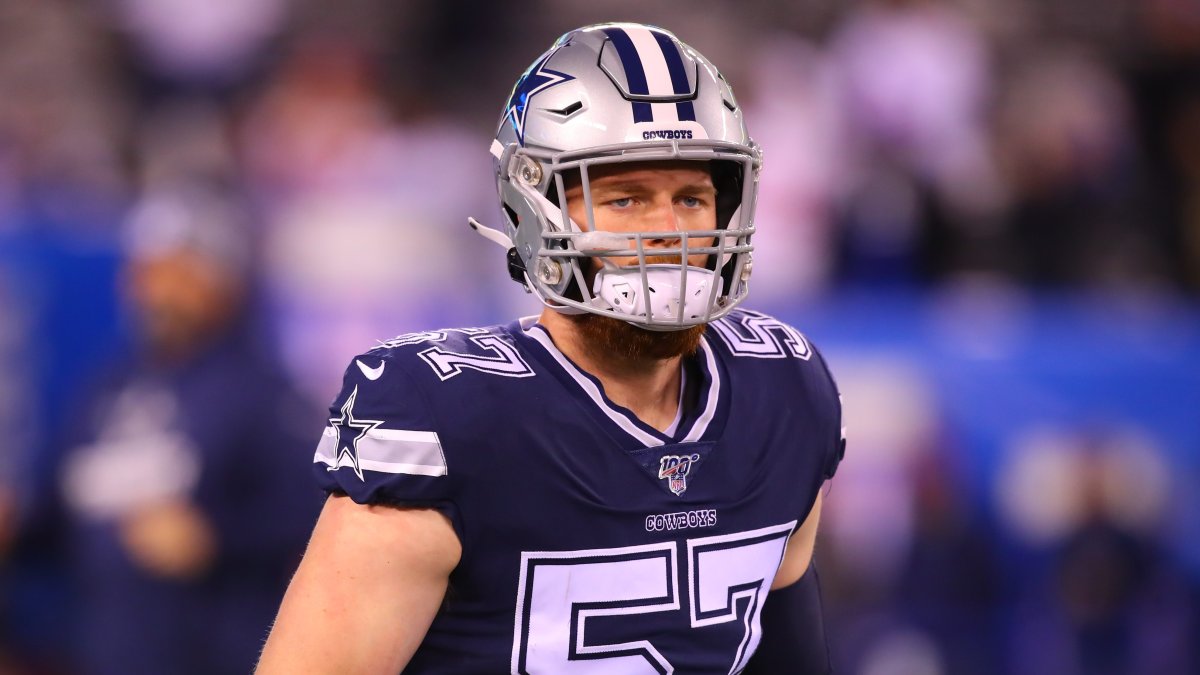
[[664, 259]]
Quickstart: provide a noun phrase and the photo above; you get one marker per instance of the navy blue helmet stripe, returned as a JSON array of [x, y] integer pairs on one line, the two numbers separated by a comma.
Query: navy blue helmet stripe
[[635, 74], [679, 79]]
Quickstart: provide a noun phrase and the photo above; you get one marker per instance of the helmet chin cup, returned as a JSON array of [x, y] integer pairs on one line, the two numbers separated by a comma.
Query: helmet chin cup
[[665, 294]]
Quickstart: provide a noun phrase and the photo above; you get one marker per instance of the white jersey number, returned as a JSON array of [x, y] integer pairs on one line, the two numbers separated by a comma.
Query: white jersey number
[[760, 336], [559, 591], [500, 358]]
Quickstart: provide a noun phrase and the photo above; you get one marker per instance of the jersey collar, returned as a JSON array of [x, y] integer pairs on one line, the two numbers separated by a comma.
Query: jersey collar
[[692, 429]]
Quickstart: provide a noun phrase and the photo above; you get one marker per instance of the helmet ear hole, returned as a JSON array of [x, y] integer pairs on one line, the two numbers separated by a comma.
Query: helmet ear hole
[[512, 215]]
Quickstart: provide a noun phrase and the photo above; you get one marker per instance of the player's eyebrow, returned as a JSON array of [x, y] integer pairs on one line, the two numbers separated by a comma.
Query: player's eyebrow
[[697, 187], [701, 188], [618, 186]]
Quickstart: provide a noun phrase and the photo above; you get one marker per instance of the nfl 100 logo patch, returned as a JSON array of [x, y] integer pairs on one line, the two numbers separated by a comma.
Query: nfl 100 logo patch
[[675, 469]]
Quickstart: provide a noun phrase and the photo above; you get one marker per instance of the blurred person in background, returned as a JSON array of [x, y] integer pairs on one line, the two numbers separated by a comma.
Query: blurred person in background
[[909, 581], [1102, 595], [63, 123], [1163, 77], [920, 189], [181, 480], [332, 166], [1080, 211]]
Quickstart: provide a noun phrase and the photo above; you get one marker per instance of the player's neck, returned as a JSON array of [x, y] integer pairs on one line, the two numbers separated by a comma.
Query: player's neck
[[647, 387]]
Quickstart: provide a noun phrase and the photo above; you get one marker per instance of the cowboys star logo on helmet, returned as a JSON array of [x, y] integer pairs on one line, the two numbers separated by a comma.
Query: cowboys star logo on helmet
[[624, 93], [536, 79]]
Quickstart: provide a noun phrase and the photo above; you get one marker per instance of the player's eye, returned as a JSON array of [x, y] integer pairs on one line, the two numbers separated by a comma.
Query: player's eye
[[691, 202], [621, 202]]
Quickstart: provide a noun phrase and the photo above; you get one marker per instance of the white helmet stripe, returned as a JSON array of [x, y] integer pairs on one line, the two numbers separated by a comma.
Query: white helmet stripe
[[665, 112], [654, 64], [635, 73]]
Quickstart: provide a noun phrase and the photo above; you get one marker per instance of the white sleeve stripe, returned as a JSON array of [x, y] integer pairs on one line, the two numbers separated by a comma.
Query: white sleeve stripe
[[387, 467], [404, 435], [393, 435], [390, 451]]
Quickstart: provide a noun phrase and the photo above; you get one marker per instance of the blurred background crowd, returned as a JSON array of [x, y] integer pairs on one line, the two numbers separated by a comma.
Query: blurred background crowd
[[987, 214]]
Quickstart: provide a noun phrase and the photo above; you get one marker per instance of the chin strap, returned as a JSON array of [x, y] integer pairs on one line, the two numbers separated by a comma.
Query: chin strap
[[492, 235], [516, 268]]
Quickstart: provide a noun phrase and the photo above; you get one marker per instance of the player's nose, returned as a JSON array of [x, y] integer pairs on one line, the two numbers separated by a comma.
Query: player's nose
[[664, 219]]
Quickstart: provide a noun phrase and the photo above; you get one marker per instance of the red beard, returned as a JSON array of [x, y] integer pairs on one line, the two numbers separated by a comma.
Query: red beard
[[605, 337]]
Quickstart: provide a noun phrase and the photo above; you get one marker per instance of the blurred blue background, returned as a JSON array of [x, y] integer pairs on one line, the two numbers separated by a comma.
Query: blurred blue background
[[987, 215]]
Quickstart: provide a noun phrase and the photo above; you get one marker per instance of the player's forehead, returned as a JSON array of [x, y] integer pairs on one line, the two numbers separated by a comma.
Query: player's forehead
[[673, 172]]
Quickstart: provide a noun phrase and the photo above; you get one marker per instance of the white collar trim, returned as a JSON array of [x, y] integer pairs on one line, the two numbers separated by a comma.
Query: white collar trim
[[589, 387]]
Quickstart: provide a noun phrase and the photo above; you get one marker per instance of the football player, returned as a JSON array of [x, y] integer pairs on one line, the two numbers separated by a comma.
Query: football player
[[619, 485]]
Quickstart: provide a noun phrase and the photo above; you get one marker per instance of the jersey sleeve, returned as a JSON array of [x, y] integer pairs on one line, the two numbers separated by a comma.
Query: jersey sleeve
[[381, 443], [837, 446]]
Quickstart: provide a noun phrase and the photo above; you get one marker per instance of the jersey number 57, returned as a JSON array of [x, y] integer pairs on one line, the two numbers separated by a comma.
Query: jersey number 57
[[560, 591]]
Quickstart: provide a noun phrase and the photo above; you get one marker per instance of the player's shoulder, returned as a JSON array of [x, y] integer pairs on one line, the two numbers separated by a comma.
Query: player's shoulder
[[446, 361], [424, 385], [755, 342], [758, 335], [407, 344], [771, 358], [394, 426], [446, 352]]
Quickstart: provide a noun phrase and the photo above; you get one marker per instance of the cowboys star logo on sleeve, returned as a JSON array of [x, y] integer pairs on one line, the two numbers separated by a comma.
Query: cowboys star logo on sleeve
[[349, 432]]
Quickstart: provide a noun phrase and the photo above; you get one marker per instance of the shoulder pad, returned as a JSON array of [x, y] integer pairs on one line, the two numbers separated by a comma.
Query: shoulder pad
[[755, 334]]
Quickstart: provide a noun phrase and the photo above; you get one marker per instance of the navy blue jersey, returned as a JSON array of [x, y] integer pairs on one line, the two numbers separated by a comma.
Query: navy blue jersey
[[591, 542]]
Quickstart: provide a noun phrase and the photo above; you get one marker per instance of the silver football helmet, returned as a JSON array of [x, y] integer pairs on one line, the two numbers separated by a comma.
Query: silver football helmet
[[614, 93]]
